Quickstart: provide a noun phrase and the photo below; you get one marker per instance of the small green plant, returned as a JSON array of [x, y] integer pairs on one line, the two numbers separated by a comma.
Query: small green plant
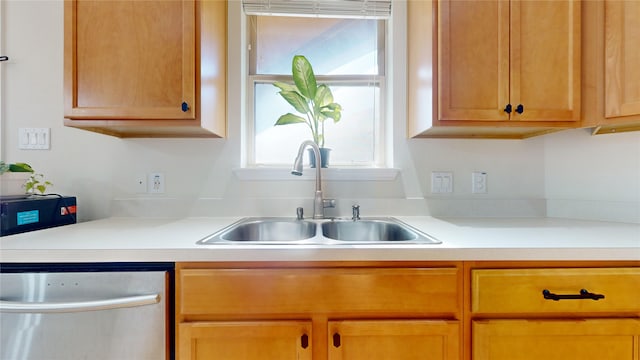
[[313, 101], [17, 167], [37, 182]]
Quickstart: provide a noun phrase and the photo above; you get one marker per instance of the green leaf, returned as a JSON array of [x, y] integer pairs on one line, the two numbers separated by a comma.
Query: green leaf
[[304, 77], [323, 97], [284, 86], [296, 100], [20, 167], [4, 167], [335, 115], [290, 118]]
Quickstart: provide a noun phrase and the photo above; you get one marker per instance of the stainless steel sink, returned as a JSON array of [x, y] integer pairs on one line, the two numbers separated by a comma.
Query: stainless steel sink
[[264, 230], [374, 230], [274, 231]]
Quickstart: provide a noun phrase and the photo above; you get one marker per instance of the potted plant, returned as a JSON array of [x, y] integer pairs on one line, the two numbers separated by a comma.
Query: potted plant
[[19, 180], [36, 182], [313, 102], [13, 177]]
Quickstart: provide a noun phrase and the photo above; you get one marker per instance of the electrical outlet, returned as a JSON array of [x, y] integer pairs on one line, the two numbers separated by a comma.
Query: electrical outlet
[[479, 182], [155, 183], [441, 182]]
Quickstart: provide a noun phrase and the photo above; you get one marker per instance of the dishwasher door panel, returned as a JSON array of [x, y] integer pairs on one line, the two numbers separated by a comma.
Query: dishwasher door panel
[[83, 315]]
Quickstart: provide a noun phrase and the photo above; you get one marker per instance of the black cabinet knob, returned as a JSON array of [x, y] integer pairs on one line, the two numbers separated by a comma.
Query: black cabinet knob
[[336, 340], [185, 107], [520, 109], [507, 109]]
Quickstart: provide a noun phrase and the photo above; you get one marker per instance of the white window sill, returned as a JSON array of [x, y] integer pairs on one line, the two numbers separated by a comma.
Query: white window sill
[[334, 174]]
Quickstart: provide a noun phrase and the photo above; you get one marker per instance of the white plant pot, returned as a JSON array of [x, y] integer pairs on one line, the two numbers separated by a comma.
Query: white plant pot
[[12, 184]]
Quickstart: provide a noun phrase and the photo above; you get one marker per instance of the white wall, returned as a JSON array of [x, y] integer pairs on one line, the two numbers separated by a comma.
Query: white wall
[[101, 170], [593, 177]]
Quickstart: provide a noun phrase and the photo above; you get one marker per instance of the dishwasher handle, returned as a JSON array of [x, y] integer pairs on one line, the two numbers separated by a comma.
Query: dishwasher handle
[[79, 306]]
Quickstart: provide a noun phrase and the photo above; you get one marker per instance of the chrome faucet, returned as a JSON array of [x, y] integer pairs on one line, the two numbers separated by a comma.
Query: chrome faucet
[[355, 210], [318, 202]]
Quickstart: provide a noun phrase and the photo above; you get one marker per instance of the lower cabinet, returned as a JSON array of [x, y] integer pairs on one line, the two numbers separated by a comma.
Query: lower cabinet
[[347, 339], [245, 340], [399, 339], [330, 312], [556, 339], [482, 310], [555, 313]]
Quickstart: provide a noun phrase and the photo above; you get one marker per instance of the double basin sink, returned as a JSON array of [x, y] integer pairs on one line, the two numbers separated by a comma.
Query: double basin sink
[[281, 231]]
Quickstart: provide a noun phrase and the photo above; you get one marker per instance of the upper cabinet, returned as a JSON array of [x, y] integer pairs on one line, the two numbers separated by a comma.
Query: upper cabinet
[[498, 69], [612, 66], [146, 68]]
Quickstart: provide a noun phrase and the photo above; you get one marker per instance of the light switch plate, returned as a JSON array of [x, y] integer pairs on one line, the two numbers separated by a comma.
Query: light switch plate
[[34, 138], [441, 182]]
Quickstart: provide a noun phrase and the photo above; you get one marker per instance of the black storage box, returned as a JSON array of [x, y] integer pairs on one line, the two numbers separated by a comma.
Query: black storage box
[[35, 213]]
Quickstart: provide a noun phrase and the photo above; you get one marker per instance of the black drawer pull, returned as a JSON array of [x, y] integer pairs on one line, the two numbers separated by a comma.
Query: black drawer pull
[[4, 58], [584, 294], [304, 341]]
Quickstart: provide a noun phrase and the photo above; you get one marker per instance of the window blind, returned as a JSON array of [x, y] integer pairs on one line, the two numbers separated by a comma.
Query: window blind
[[367, 9]]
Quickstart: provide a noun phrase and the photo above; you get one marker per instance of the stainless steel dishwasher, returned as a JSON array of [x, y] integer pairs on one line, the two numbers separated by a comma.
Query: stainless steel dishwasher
[[85, 311]]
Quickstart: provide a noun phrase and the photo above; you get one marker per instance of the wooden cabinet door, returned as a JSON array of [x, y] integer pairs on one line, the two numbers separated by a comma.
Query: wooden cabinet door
[[545, 60], [280, 340], [556, 339], [130, 59], [473, 60], [622, 58], [522, 54], [394, 339]]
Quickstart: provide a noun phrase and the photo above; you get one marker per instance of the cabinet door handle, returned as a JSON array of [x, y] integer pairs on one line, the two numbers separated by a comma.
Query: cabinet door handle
[[185, 107], [520, 109], [4, 58], [584, 294], [336, 340], [507, 109], [304, 341], [79, 306]]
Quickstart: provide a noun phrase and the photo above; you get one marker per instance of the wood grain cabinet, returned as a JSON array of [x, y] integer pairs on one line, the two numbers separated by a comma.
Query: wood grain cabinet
[[243, 340], [146, 68], [612, 66], [328, 312], [555, 314], [394, 339], [504, 69]]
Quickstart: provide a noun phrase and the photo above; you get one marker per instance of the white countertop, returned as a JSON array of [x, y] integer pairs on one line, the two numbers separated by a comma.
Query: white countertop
[[143, 239]]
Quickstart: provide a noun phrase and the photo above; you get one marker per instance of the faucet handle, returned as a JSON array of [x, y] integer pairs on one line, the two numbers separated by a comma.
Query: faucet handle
[[299, 213], [355, 209], [328, 203]]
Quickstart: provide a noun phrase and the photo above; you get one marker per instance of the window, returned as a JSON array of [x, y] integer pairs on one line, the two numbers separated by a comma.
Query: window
[[348, 55]]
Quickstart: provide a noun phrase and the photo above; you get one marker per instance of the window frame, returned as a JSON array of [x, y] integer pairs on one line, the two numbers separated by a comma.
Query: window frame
[[252, 78]]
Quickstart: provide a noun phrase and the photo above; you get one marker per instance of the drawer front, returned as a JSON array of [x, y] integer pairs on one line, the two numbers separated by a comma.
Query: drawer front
[[521, 290], [614, 339], [328, 291]]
